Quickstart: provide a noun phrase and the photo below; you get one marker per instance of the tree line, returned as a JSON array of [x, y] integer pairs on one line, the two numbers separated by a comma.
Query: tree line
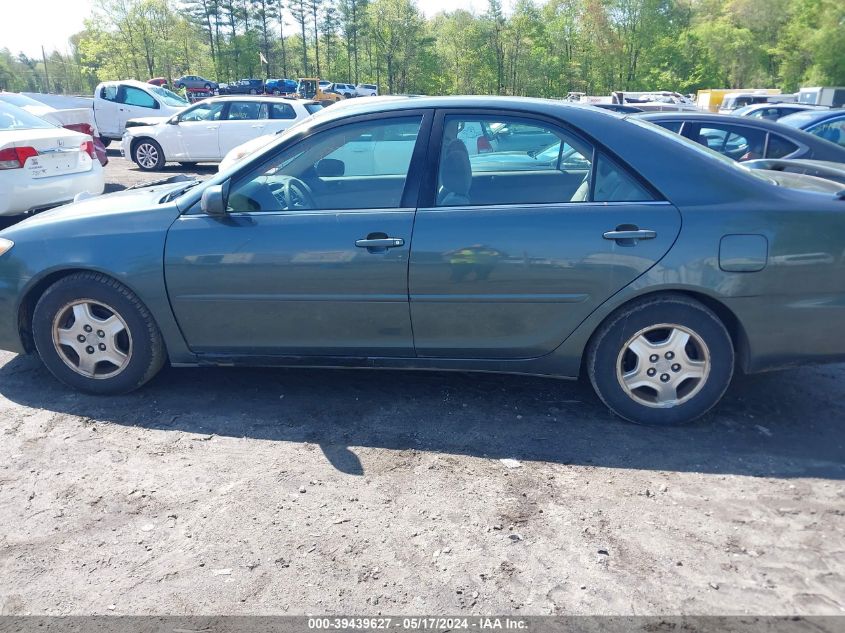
[[536, 48]]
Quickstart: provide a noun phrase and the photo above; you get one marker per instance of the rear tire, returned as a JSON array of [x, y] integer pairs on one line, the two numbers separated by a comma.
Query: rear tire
[[148, 155], [94, 334], [105, 141], [664, 360]]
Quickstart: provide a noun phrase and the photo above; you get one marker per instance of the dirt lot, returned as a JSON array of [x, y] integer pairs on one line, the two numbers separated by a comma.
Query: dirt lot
[[276, 491]]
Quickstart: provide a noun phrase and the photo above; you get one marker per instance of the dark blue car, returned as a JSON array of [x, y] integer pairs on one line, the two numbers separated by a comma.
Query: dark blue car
[[242, 87], [826, 124], [279, 86]]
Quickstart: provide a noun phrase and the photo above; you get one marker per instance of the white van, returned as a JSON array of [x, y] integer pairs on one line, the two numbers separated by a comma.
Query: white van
[[117, 101]]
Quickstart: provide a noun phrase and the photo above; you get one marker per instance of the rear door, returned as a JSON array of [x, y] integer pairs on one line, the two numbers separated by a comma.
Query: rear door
[[506, 264]]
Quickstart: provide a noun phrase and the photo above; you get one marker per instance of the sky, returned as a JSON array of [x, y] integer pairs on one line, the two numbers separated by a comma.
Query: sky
[[54, 21]]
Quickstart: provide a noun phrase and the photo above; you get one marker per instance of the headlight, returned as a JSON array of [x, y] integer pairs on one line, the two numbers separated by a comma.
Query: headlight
[[5, 245]]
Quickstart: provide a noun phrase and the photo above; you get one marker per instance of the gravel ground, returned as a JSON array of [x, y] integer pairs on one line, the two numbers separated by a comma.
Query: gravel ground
[[263, 491]]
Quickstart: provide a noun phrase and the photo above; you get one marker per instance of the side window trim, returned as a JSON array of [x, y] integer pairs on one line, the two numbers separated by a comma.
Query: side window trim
[[428, 189], [412, 180]]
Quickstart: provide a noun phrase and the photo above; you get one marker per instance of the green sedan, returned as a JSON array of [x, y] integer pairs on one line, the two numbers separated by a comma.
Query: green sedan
[[367, 237]]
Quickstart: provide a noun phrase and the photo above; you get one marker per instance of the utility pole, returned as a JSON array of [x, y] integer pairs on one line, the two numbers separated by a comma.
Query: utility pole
[[46, 73]]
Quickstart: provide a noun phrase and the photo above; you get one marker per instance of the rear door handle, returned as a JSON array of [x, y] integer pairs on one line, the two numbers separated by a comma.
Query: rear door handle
[[380, 242], [630, 234]]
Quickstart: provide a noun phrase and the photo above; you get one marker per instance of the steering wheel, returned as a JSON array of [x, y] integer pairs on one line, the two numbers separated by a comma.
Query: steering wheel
[[297, 195]]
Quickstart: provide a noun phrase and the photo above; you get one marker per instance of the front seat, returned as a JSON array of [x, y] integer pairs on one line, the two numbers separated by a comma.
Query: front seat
[[455, 176]]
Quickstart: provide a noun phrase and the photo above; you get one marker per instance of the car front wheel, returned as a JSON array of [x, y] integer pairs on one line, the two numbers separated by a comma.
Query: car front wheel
[[664, 360], [148, 155], [94, 334]]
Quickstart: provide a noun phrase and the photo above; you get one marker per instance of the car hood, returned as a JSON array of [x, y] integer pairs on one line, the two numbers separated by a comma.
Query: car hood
[[110, 212], [145, 121]]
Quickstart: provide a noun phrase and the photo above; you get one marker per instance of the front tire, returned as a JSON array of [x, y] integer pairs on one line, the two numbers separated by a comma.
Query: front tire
[[148, 155], [664, 360], [95, 335]]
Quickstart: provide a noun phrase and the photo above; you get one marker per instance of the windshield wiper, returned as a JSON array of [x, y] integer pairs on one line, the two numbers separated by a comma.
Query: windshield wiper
[[175, 194]]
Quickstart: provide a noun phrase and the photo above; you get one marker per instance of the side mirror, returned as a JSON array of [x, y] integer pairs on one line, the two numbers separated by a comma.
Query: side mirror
[[174, 120], [330, 168], [213, 201]]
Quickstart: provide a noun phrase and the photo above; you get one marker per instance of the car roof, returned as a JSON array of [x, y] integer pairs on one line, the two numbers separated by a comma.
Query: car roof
[[809, 117], [259, 98], [386, 103], [778, 104], [127, 82]]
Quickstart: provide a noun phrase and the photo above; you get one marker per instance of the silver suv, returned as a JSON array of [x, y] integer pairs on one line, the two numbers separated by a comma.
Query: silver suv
[[366, 90]]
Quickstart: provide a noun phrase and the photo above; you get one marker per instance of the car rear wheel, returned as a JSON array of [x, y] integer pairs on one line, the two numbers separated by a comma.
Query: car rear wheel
[[94, 334], [105, 141], [148, 155], [276, 91], [208, 87], [664, 360]]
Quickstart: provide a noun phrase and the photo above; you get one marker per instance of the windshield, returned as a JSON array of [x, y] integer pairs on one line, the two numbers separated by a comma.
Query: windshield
[[13, 118], [167, 97]]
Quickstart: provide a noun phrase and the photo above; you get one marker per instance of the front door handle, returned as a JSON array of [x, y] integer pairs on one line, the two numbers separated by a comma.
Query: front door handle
[[380, 242], [629, 236]]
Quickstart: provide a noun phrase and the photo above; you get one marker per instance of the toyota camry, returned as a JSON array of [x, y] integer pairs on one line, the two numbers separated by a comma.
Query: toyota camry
[[365, 237]]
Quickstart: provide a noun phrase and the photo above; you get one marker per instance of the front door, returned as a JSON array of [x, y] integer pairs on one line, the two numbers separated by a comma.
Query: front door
[[514, 250], [307, 261], [197, 132], [244, 121]]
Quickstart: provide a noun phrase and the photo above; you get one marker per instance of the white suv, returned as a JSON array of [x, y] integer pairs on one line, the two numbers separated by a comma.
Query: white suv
[[366, 90], [208, 130], [345, 90]]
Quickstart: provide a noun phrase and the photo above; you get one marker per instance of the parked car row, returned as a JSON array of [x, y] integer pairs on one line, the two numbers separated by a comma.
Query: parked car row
[[291, 86]]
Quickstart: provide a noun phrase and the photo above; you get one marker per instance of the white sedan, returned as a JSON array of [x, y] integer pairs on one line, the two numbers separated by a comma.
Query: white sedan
[[43, 165], [207, 131]]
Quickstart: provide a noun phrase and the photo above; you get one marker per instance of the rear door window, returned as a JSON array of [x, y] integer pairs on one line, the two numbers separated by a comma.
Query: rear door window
[[244, 111], [281, 111], [109, 93]]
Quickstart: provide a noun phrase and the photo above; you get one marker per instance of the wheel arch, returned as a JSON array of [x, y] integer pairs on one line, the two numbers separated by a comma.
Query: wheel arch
[[39, 286], [729, 319]]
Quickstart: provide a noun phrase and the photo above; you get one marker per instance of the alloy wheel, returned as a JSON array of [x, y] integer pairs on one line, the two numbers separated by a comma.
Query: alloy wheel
[[663, 365], [147, 155], [92, 339]]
